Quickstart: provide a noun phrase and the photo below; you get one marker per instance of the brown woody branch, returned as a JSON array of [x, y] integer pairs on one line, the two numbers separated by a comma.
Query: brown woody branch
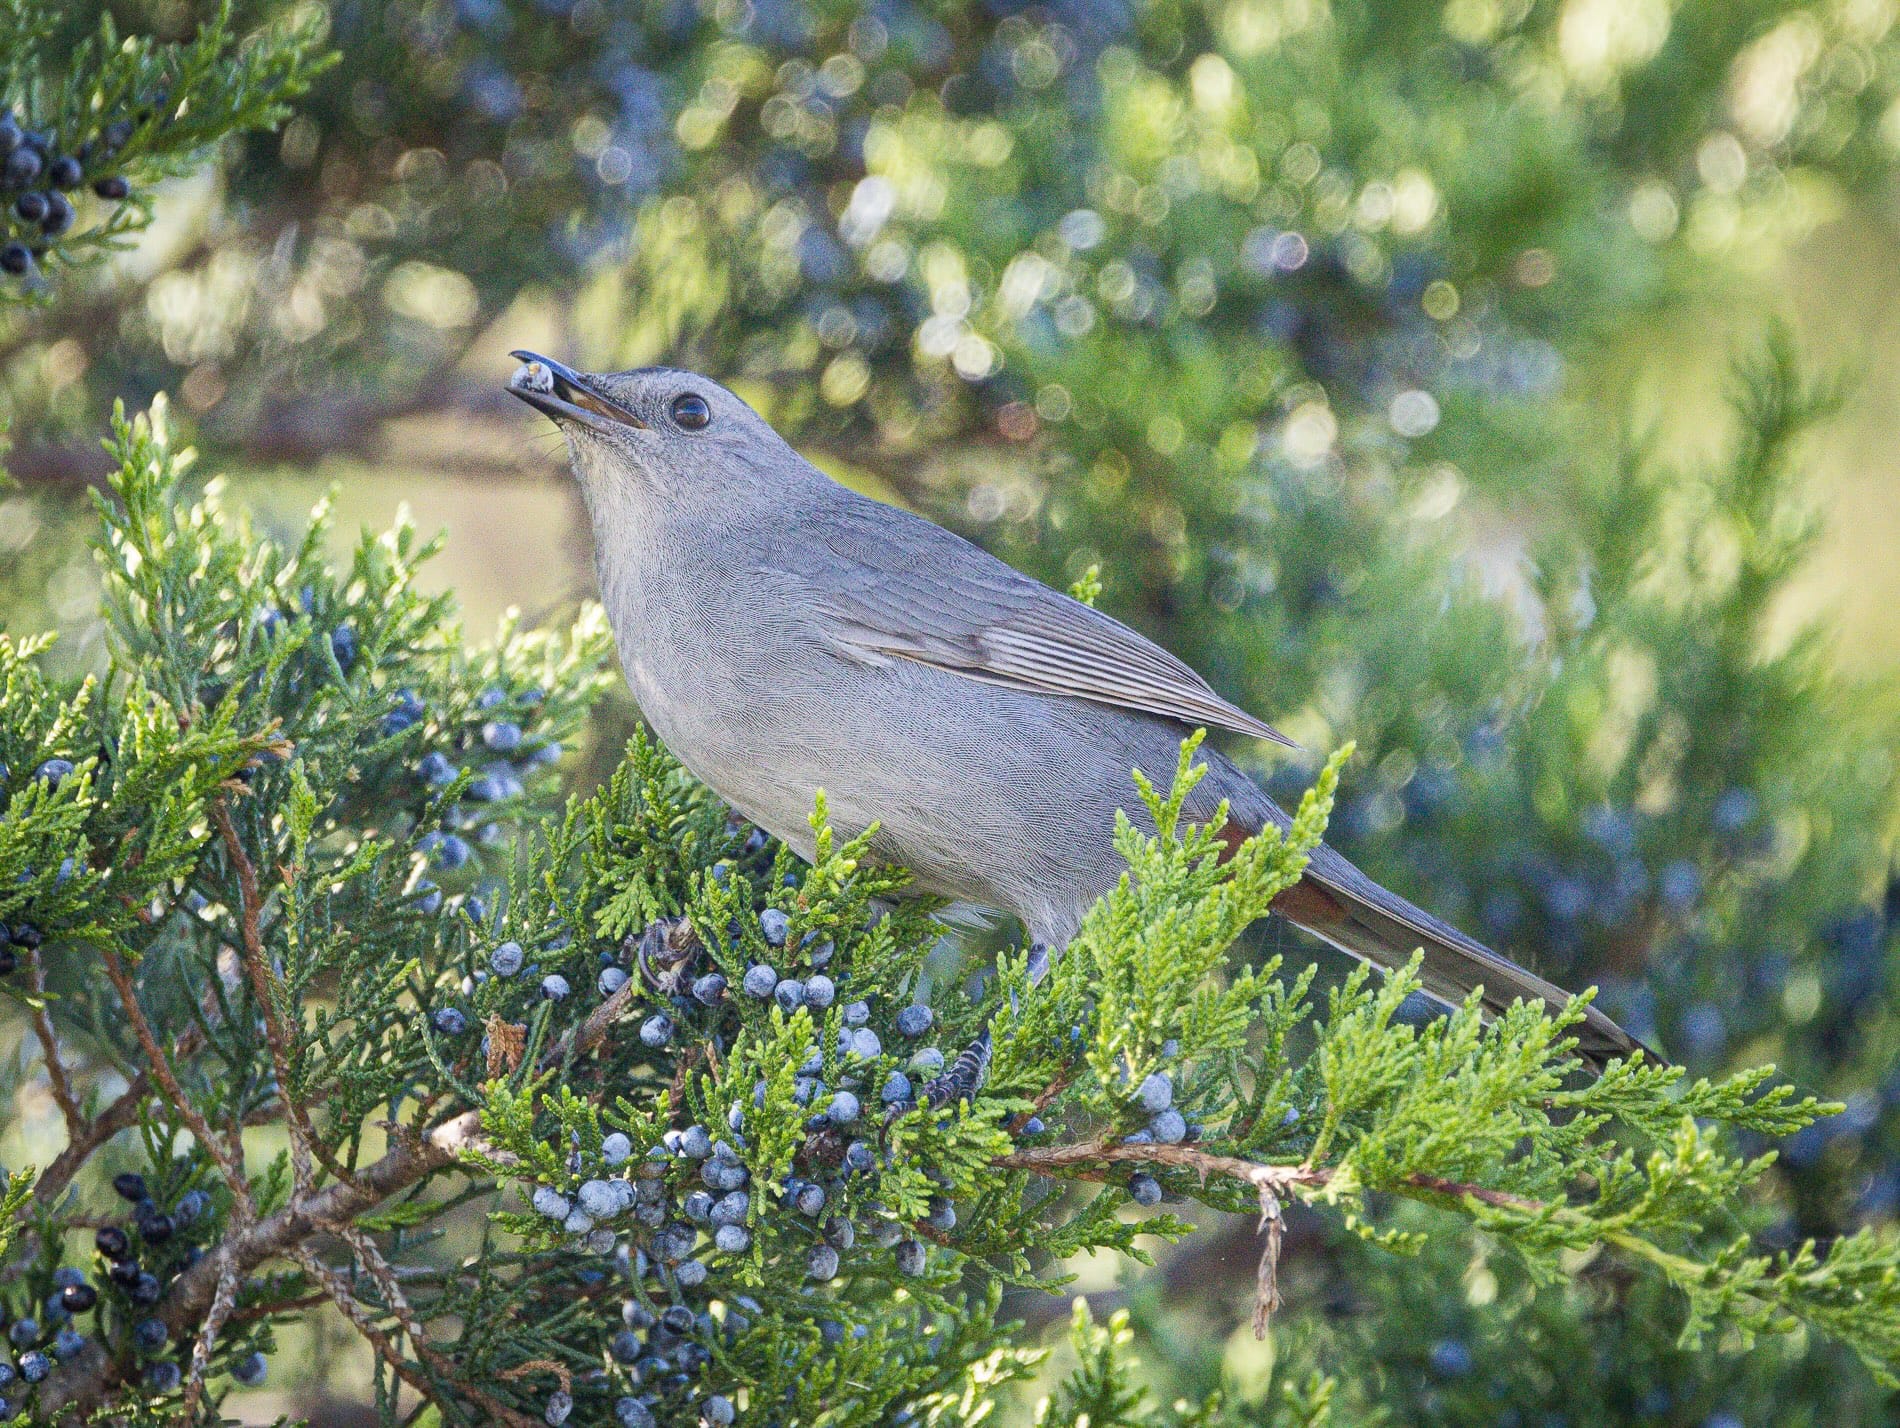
[[386, 1350], [49, 1050], [1270, 1182], [228, 1165], [121, 1113], [273, 1308], [397, 1303], [81, 1384], [223, 1300], [301, 433], [1046, 1099], [1074, 1162], [590, 1033], [303, 1137]]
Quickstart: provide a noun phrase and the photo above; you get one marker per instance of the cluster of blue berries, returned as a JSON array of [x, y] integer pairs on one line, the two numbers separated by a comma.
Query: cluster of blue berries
[[316, 662], [672, 1216], [858, 1044], [658, 1354], [44, 1336], [139, 1259], [143, 1284], [15, 940], [662, 1350], [37, 179], [501, 752], [1154, 1098]]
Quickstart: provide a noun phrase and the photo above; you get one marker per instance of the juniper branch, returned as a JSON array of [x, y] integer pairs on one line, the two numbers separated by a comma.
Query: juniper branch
[[339, 1293], [1270, 1182], [56, 1077], [229, 1160], [82, 1384], [119, 1114], [398, 1305], [304, 1141], [223, 1301]]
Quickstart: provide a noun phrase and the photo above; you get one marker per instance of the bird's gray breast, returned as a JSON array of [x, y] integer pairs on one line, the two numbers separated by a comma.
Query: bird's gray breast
[[726, 673]]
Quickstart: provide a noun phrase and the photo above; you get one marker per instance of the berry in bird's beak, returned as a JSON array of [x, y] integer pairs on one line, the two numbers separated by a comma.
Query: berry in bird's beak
[[564, 395]]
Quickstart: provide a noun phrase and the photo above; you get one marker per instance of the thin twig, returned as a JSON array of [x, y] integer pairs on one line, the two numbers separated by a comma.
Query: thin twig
[[387, 1350], [1074, 1162], [378, 1268], [533, 1366], [303, 1136], [49, 1049], [682, 1068], [1483, 1194], [371, 1258], [1048, 1095], [1271, 1184], [272, 1308], [223, 1300], [121, 1113], [372, 1333], [590, 1033], [230, 1168]]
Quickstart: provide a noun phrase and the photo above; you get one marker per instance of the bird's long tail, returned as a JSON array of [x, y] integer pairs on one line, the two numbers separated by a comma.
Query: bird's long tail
[[1341, 905]]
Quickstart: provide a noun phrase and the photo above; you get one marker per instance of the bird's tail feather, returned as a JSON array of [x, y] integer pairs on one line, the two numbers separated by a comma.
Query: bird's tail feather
[[1342, 906]]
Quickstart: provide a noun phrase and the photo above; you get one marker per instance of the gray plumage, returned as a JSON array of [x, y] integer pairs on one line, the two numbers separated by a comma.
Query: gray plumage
[[783, 634]]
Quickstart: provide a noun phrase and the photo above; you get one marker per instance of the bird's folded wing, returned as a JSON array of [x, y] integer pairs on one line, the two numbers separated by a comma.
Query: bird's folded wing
[[935, 598]]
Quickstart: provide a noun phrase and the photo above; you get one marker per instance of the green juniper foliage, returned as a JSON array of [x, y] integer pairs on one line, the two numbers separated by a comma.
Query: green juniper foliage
[[1106, 1389], [1270, 308], [1468, 1336], [618, 1112], [101, 116]]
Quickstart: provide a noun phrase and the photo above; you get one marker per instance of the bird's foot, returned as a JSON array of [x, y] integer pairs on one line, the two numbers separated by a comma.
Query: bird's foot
[[972, 1067], [664, 952], [964, 1078]]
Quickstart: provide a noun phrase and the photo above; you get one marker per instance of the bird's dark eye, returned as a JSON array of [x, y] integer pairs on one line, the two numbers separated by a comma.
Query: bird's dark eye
[[691, 412]]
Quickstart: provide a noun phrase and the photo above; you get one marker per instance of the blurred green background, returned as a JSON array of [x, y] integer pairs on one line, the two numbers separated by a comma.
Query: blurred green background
[[1402, 364]]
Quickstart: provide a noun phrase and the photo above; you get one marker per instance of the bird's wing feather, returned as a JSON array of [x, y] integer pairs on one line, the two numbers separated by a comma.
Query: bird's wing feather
[[892, 585]]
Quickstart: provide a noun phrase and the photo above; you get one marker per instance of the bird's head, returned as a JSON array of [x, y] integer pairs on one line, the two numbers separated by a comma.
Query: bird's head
[[656, 432]]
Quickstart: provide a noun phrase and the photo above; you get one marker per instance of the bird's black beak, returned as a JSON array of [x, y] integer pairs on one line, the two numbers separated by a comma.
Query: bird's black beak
[[562, 394]]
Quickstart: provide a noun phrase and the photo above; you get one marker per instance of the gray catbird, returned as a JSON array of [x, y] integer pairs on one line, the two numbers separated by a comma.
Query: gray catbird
[[784, 634]]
